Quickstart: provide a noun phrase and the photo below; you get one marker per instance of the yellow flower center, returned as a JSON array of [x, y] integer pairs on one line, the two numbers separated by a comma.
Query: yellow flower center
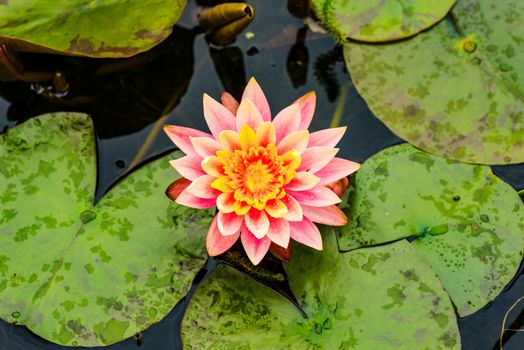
[[258, 177], [255, 174]]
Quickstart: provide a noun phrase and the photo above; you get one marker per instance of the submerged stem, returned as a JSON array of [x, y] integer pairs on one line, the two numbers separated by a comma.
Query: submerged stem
[[503, 328]]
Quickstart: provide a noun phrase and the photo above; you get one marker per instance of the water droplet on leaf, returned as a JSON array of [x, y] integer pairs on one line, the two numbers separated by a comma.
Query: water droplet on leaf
[[504, 67], [469, 46], [120, 164], [87, 216]]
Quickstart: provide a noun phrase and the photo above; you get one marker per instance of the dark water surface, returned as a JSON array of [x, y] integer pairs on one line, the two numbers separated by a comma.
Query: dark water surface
[[130, 99]]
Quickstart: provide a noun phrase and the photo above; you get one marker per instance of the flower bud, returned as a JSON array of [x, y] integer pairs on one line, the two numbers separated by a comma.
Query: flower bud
[[174, 190]]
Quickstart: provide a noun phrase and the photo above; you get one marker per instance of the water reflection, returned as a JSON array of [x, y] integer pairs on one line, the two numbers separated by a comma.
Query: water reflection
[[298, 60], [325, 72], [230, 69], [122, 96]]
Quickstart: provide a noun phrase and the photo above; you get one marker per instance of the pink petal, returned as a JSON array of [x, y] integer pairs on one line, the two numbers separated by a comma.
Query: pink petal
[[297, 140], [315, 158], [279, 232], [330, 215], [307, 105], [174, 190], [212, 166], [188, 166], [225, 202], [205, 146], [256, 95], [257, 222], [180, 136], [306, 233], [287, 121], [248, 114], [201, 187], [327, 137], [335, 170], [229, 223], [229, 102], [302, 181], [294, 209], [192, 201], [217, 117], [255, 248], [319, 196], [216, 243]]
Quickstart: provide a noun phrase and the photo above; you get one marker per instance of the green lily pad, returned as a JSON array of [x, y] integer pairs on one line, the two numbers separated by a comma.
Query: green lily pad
[[466, 222], [87, 28], [460, 96], [377, 20], [377, 298], [78, 274]]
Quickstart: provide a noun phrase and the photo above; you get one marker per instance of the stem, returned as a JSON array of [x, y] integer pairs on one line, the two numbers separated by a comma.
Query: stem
[[503, 328]]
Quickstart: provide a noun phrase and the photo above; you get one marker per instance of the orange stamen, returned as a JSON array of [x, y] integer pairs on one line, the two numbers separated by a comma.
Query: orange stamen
[[255, 174]]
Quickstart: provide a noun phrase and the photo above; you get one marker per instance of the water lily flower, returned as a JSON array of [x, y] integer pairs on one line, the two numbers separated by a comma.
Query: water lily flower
[[270, 179]]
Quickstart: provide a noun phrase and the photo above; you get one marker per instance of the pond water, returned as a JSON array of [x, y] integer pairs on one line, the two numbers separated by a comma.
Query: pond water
[[130, 99]]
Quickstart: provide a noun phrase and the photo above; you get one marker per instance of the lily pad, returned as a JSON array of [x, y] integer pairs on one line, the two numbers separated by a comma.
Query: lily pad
[[78, 274], [376, 298], [87, 28], [378, 20], [466, 222], [456, 90]]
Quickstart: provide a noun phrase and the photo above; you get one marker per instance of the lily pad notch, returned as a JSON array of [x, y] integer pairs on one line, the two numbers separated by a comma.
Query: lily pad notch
[[81, 274], [466, 222], [382, 297]]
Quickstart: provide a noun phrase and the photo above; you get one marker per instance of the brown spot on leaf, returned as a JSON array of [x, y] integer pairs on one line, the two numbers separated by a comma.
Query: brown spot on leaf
[[86, 46], [411, 110], [125, 51], [81, 45], [146, 34]]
